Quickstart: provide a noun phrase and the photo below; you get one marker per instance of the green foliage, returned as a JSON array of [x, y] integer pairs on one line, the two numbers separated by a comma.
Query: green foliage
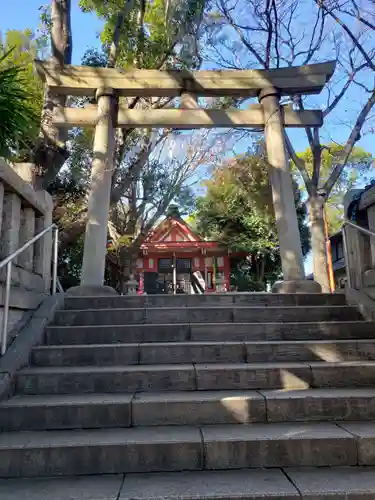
[[21, 94], [18, 119], [70, 264], [45, 23], [358, 167], [145, 45], [243, 281], [237, 211], [93, 57]]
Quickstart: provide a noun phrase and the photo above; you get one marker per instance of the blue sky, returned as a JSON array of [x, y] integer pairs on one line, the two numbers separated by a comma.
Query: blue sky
[[22, 14]]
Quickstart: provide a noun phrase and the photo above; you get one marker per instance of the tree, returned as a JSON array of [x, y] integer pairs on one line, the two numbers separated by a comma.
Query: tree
[[267, 34], [20, 94], [50, 152], [237, 210], [145, 34], [359, 164], [361, 59]]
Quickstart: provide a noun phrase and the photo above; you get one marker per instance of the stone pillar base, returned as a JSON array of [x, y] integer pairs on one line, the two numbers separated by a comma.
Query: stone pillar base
[[297, 286], [91, 291]]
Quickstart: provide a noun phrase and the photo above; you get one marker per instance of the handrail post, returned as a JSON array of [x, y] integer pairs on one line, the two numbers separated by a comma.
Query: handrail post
[[7, 263], [4, 333], [55, 259]]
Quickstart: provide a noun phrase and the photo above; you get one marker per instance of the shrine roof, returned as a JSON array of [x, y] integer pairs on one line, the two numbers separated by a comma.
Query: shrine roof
[[174, 232]]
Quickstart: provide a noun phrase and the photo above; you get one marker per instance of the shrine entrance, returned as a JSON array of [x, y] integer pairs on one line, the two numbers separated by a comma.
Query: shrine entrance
[[176, 273], [108, 84]]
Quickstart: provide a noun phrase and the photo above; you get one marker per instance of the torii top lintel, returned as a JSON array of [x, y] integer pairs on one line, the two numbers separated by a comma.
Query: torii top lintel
[[85, 80]]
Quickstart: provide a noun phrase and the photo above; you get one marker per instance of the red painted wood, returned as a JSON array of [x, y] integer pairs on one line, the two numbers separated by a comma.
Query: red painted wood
[[227, 271]]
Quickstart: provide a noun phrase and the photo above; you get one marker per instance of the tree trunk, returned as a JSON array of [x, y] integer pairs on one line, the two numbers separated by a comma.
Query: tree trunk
[[318, 242], [50, 150]]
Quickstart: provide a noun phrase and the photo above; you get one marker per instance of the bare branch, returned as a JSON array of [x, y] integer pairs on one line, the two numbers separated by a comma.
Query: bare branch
[[349, 32], [350, 143], [299, 163], [339, 96], [276, 38], [269, 34], [298, 100], [357, 15], [247, 44], [313, 48], [133, 171]]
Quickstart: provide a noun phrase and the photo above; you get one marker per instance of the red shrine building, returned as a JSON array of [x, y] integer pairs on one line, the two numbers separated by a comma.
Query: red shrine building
[[173, 257]]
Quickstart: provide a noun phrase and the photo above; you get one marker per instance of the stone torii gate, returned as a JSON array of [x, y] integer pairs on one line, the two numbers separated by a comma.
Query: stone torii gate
[[107, 84]]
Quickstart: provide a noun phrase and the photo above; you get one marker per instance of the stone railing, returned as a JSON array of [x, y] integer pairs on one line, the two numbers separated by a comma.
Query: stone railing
[[24, 213], [359, 239]]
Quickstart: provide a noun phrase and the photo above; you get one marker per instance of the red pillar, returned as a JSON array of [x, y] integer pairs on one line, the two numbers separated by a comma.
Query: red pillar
[[227, 272]]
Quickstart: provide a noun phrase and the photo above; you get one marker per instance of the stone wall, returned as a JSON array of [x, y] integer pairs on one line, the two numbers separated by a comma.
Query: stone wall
[[24, 213]]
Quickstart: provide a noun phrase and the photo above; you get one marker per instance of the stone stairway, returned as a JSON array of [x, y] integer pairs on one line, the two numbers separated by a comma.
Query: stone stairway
[[195, 397]]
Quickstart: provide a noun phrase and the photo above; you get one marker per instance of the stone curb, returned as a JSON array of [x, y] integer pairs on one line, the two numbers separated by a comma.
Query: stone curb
[[364, 303], [18, 354]]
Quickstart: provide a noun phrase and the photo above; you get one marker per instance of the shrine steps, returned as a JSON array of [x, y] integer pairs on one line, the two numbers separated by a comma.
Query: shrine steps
[[250, 396]]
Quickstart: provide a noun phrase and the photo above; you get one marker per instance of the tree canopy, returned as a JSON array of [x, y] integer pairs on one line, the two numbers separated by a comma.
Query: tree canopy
[[237, 211], [359, 166], [21, 94]]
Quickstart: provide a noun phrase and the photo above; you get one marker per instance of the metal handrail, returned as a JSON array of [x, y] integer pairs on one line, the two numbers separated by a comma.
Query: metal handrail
[[8, 263], [59, 286], [360, 229]]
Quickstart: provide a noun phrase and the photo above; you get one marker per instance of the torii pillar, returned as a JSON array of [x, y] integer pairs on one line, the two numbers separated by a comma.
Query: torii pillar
[[95, 247], [283, 199]]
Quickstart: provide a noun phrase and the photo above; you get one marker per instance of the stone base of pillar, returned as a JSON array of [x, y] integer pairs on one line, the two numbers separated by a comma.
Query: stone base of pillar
[[91, 291], [297, 286]]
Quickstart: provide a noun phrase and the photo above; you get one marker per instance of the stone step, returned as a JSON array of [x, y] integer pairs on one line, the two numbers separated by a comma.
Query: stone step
[[90, 411], [252, 299], [71, 411], [189, 377], [63, 488], [111, 379], [200, 485], [292, 375], [338, 483], [61, 335], [203, 352], [152, 449], [194, 315], [320, 405], [144, 354], [244, 407], [100, 451]]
